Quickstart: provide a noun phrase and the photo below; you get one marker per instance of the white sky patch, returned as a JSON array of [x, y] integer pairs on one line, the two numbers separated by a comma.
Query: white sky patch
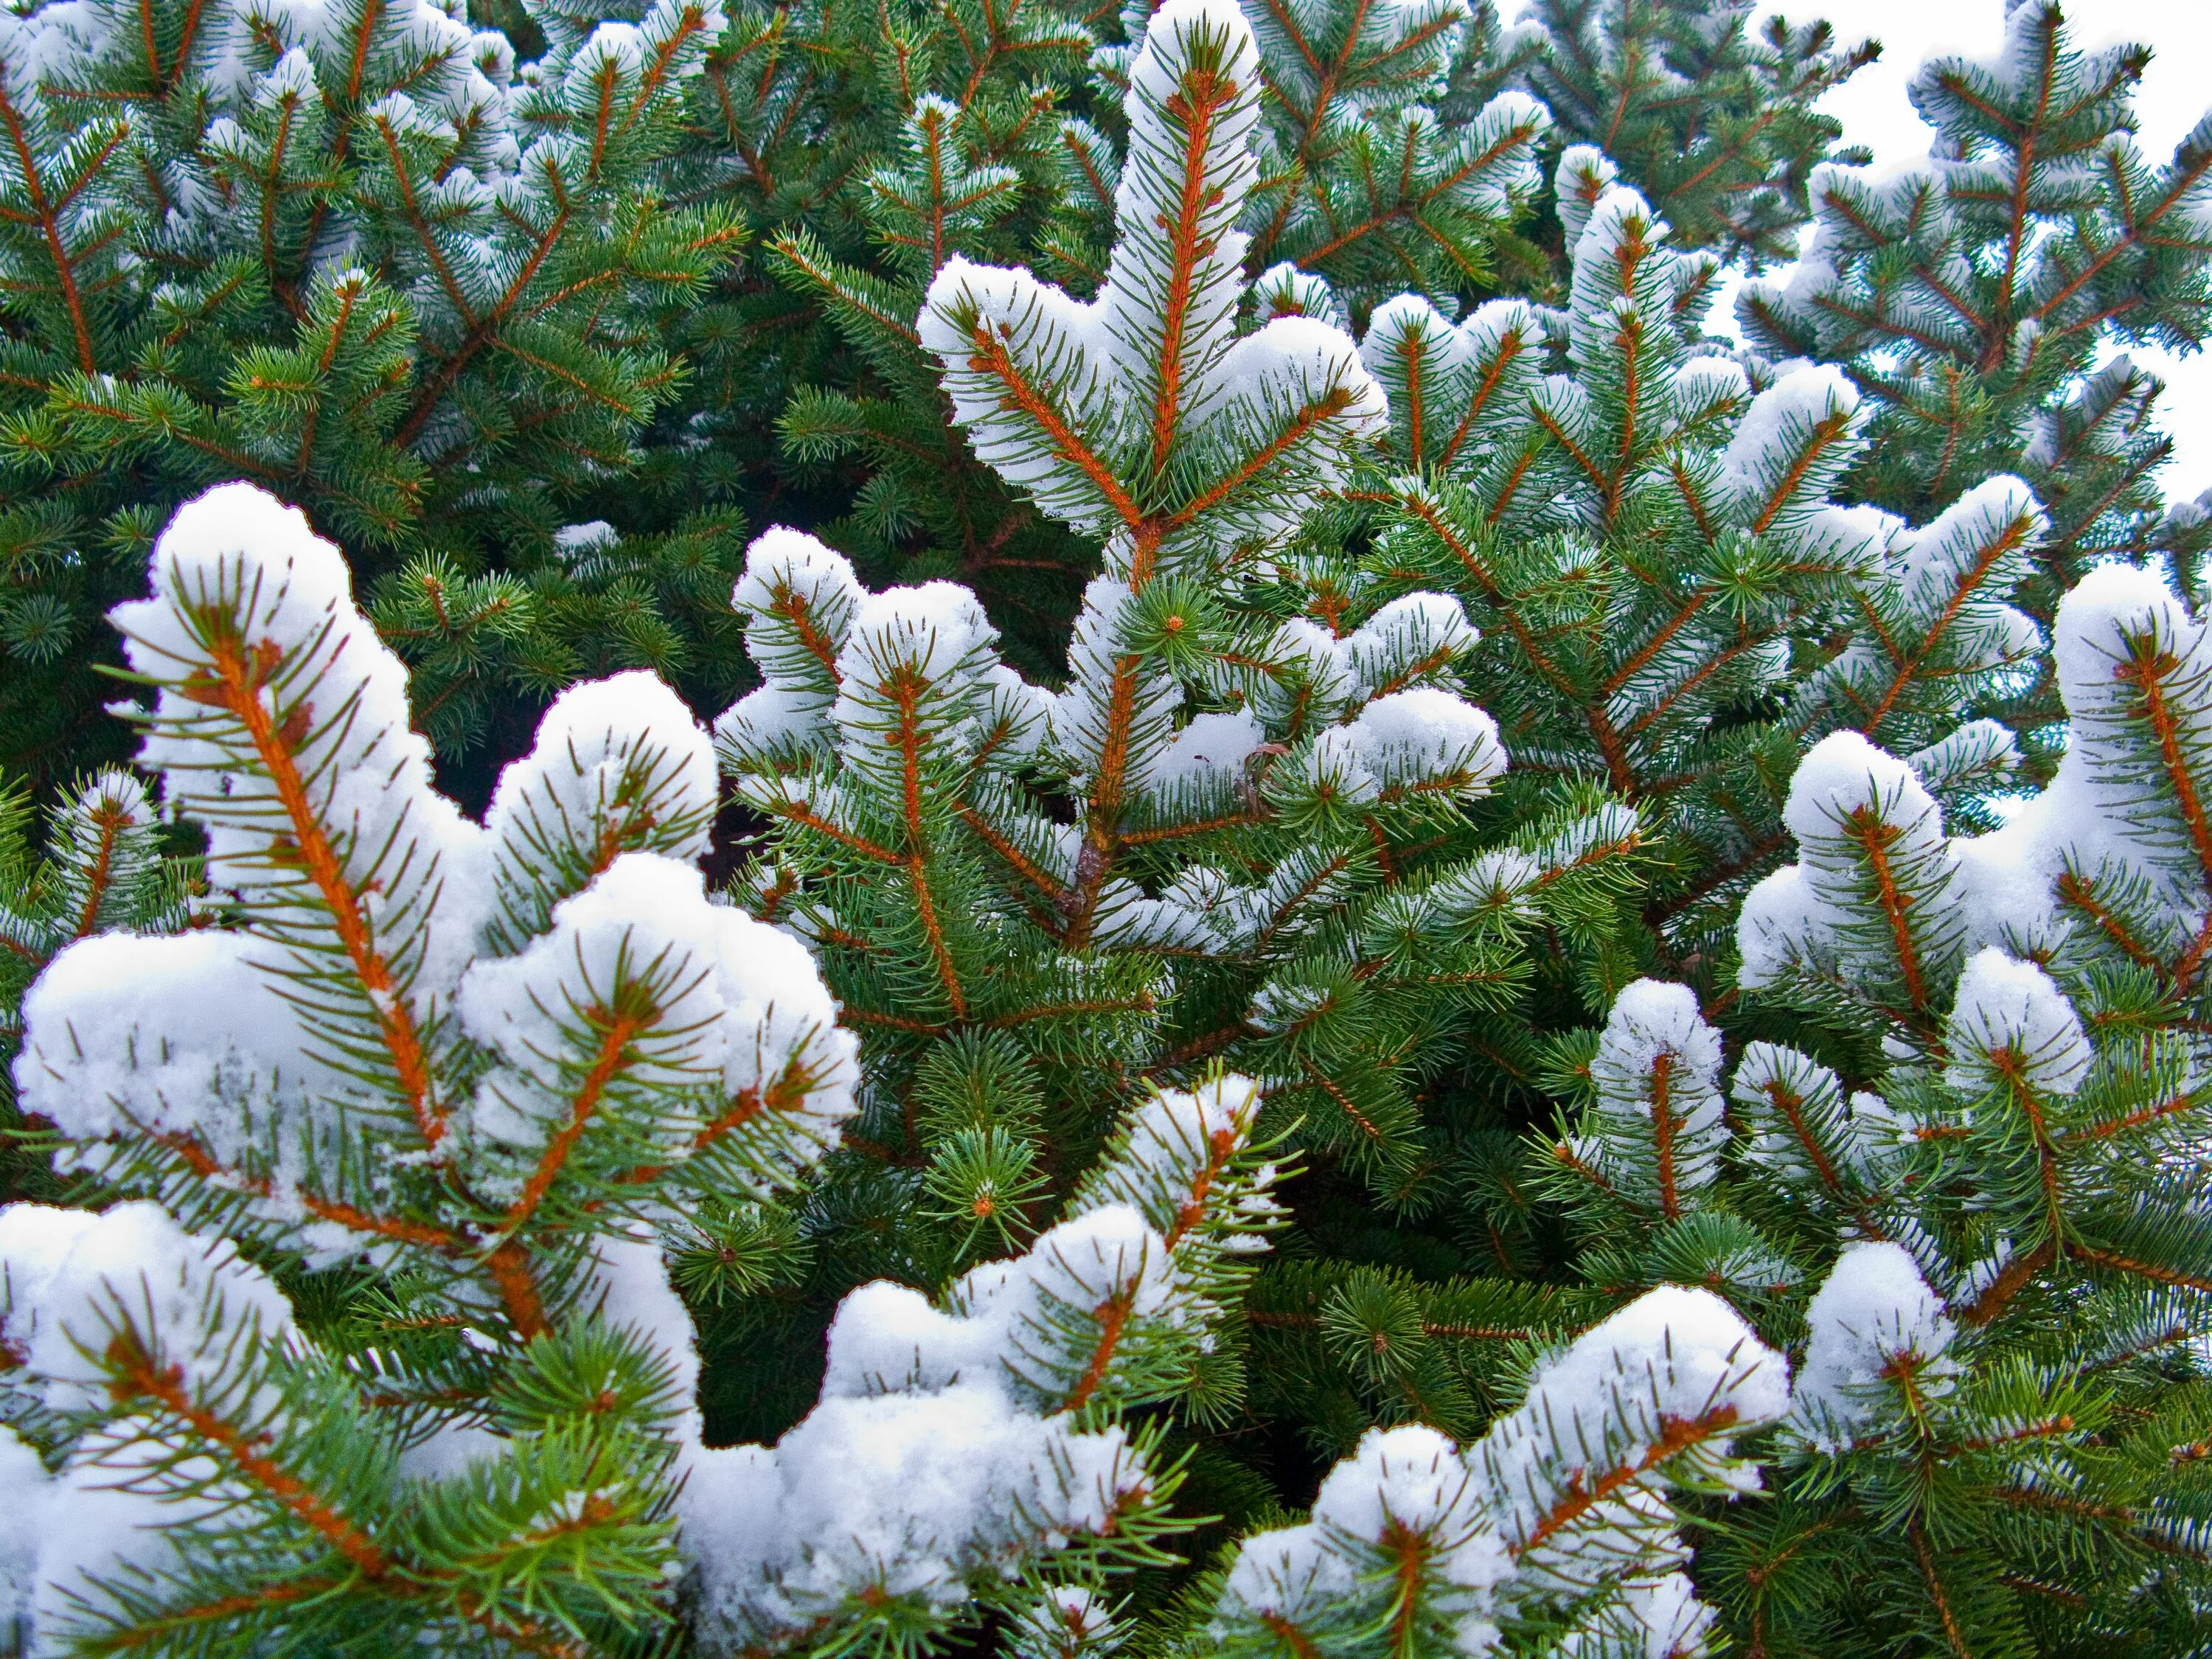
[[2174, 93]]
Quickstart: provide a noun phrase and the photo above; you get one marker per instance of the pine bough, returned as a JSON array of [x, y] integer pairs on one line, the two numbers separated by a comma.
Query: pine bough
[[389, 1352]]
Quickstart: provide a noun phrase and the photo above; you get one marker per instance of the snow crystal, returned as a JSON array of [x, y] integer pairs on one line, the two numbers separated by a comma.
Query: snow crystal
[[1020, 712], [1081, 715], [2113, 604], [1124, 919], [1333, 765], [1398, 1481], [926, 1457], [1942, 556], [1064, 1619], [630, 1284], [937, 1448], [1407, 329], [1651, 1018], [783, 565], [1171, 1150], [797, 597], [1061, 345], [104, 1520], [1657, 1619], [616, 43], [1500, 326], [1708, 386], [1776, 929], [1857, 537], [1512, 174], [1598, 302], [2096, 818], [1412, 1478], [1109, 1253], [1303, 647], [1978, 753], [1143, 266], [1290, 363], [1856, 1137], [1290, 1574], [451, 1449], [1674, 1357], [1612, 827], [903, 1493], [1499, 884], [1103, 369]]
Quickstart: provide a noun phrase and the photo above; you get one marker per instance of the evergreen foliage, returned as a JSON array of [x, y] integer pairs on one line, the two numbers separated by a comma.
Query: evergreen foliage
[[1977, 301], [103, 868], [344, 250], [1648, 544], [461, 328], [1031, 903], [1712, 118], [1395, 957], [392, 1349], [1995, 1102]]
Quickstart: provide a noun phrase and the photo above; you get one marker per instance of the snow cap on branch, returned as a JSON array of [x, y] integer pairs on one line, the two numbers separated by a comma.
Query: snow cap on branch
[[1657, 1130], [1873, 1320], [1412, 1531], [74, 1279], [946, 1442], [1141, 418], [1676, 1368], [1875, 891], [617, 761], [705, 996], [2122, 824], [268, 672], [2011, 1025]]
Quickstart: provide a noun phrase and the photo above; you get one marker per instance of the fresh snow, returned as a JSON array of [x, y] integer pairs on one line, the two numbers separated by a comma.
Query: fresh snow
[[2011, 1024], [1873, 1312]]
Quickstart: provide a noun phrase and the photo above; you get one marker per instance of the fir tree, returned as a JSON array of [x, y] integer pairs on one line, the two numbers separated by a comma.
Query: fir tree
[[1992, 1099], [1492, 992], [1975, 299], [103, 868], [1710, 119], [343, 250], [1397, 147], [459, 327], [390, 1349], [1239, 786], [1672, 603]]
